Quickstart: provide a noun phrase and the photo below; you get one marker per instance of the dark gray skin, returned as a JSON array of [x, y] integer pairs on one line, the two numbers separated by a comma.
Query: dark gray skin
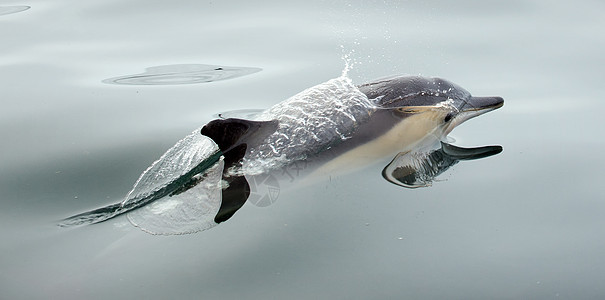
[[391, 96], [305, 130]]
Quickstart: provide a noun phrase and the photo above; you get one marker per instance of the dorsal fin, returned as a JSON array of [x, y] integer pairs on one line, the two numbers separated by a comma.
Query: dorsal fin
[[228, 133]]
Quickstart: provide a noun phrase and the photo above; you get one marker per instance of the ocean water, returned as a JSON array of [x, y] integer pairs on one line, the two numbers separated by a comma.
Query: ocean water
[[94, 91]]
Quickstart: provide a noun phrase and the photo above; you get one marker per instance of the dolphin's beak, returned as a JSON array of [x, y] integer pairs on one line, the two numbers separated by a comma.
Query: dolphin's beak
[[476, 106], [473, 107], [483, 104]]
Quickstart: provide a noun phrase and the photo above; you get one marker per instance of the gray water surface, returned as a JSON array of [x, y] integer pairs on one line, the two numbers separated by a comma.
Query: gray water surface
[[527, 223]]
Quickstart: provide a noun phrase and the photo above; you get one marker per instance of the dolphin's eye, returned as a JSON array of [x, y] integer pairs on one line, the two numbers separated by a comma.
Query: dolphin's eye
[[448, 117]]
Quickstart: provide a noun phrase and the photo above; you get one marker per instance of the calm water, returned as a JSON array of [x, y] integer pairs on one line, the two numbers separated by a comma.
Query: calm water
[[527, 223]]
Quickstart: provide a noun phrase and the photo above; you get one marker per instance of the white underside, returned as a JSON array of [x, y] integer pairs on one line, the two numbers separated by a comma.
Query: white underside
[[408, 134]]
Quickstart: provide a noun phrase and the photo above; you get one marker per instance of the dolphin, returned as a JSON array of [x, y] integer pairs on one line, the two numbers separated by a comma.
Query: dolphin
[[334, 126]]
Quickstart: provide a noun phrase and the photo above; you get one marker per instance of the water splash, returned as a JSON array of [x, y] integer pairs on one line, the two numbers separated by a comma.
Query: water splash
[[309, 122], [349, 61], [182, 74], [7, 10]]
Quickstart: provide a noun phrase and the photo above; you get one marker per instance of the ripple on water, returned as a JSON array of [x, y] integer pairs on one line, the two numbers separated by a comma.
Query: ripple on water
[[182, 74], [6, 10]]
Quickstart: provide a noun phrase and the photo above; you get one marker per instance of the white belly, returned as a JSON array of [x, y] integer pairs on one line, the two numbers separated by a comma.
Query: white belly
[[411, 133]]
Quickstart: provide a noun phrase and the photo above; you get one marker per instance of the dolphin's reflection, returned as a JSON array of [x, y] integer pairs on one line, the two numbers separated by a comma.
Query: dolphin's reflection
[[412, 169], [195, 207]]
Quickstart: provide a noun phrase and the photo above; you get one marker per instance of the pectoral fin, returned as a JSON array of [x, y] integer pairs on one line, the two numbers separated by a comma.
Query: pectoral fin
[[460, 153], [419, 169]]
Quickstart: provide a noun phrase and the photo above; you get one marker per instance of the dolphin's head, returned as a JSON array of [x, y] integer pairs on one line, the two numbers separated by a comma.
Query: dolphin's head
[[434, 103]]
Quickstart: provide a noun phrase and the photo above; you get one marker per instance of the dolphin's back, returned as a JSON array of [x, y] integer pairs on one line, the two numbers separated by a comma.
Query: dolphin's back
[[309, 123], [400, 91]]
